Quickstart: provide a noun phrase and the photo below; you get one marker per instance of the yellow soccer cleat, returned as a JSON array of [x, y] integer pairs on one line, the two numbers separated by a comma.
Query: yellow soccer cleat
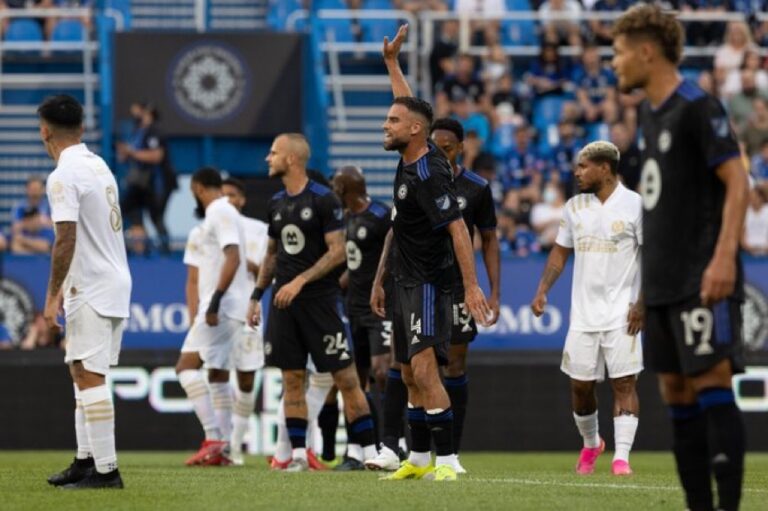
[[408, 470], [444, 473]]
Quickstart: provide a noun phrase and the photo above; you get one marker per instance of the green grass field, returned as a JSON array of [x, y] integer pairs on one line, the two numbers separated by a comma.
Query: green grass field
[[535, 481]]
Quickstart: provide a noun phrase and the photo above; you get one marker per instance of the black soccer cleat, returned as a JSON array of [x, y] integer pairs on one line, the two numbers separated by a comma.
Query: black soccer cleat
[[95, 480], [78, 470], [349, 465]]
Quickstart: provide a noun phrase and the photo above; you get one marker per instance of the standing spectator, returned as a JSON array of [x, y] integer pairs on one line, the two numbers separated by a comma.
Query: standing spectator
[[548, 74], [563, 154], [546, 215], [755, 131], [465, 111], [416, 6], [752, 62], [595, 86], [755, 239], [522, 167], [630, 157], [703, 33], [31, 227], [465, 82], [441, 62], [151, 179], [602, 29], [730, 54], [515, 239], [561, 31]]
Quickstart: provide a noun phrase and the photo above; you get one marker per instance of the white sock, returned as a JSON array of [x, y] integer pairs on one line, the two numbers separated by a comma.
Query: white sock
[[243, 408], [420, 459], [83, 445], [624, 429], [100, 424], [370, 452], [194, 385], [315, 398], [283, 445], [299, 453], [355, 451], [221, 395], [587, 425], [452, 460]]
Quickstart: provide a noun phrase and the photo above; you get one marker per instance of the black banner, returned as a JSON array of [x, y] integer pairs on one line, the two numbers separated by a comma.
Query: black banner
[[212, 84]]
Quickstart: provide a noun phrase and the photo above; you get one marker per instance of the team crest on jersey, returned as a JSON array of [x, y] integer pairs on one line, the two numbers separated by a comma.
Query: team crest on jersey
[[306, 214], [462, 202], [362, 232], [402, 192], [720, 126], [354, 256], [617, 227], [665, 141], [755, 313], [443, 202], [338, 213], [267, 348]]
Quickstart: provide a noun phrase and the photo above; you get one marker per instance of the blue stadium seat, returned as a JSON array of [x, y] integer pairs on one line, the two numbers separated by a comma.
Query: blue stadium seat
[[68, 31], [547, 111], [330, 4], [341, 28], [381, 5], [518, 5], [279, 10], [375, 30], [24, 30], [519, 33]]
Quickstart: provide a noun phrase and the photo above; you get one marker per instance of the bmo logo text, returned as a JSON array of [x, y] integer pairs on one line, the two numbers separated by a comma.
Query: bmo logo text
[[522, 321], [158, 318]]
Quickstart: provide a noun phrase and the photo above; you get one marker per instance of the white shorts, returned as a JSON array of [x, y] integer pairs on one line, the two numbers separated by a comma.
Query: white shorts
[[586, 354], [213, 343], [248, 352], [93, 339]]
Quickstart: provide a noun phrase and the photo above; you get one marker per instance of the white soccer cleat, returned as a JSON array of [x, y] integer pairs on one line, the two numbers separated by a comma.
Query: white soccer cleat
[[236, 455], [298, 465], [386, 460], [458, 468]]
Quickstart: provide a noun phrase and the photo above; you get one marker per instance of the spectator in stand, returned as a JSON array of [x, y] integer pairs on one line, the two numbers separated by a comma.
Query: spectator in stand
[[561, 31], [47, 23], [464, 83], [505, 92], [755, 238], [505, 123], [496, 65], [741, 104], [546, 215], [3, 242], [465, 111], [31, 227], [485, 166], [752, 62], [595, 86], [523, 167], [601, 30], [549, 74], [514, 239], [707, 82], [704, 33], [561, 157], [630, 157], [755, 132], [441, 60], [489, 8], [730, 54]]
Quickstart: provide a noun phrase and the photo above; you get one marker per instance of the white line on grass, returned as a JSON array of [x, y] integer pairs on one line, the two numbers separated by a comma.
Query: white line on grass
[[539, 482]]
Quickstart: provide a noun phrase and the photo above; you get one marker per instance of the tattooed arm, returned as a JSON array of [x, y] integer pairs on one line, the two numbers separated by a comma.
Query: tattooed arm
[[555, 264], [61, 260], [263, 281]]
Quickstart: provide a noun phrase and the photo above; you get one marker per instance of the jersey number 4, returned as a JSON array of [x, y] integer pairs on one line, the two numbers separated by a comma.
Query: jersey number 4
[[698, 321]]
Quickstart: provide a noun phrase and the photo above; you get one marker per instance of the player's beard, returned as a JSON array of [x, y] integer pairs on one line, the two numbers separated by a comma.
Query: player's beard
[[395, 144], [200, 209]]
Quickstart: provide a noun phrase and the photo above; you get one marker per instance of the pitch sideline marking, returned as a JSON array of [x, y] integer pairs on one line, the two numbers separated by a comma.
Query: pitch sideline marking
[[538, 482]]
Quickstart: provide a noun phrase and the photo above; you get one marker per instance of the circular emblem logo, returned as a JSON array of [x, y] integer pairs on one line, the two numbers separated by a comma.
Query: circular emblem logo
[[617, 227], [665, 140], [755, 318], [208, 82], [16, 308], [354, 256], [462, 202], [402, 192], [306, 214], [293, 239], [650, 184], [362, 232], [267, 348]]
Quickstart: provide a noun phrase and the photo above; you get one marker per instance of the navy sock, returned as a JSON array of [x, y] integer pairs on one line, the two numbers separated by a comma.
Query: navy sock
[[726, 443], [458, 391], [374, 416], [441, 427], [690, 446], [328, 420], [420, 435], [362, 431], [297, 432], [395, 402]]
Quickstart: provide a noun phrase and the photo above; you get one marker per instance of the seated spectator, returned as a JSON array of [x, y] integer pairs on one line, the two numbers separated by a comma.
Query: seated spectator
[[561, 31], [523, 167], [505, 122], [546, 215], [740, 105], [465, 111], [602, 30], [563, 154], [755, 131], [548, 74], [755, 238], [31, 227], [630, 158], [752, 62], [487, 7], [703, 33], [514, 239], [47, 23], [496, 65], [441, 61], [730, 54], [759, 166], [6, 341], [595, 86], [137, 241], [507, 91], [464, 83]]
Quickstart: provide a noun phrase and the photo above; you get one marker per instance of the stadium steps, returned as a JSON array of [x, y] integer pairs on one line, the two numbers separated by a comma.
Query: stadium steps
[[162, 14], [238, 14], [360, 144]]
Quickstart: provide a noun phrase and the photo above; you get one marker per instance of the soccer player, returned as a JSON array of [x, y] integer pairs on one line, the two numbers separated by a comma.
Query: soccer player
[[603, 226], [427, 230], [217, 250], [89, 274], [306, 243], [695, 194], [367, 224]]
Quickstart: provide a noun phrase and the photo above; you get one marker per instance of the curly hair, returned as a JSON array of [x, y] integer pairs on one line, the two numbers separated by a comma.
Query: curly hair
[[650, 21], [602, 151]]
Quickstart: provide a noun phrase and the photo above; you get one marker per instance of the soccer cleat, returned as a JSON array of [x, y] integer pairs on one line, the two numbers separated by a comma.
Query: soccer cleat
[[237, 458], [78, 470], [349, 465], [621, 468], [313, 462], [95, 480], [588, 458], [297, 465], [386, 460], [458, 467], [208, 449], [408, 470], [442, 473], [275, 464], [331, 464]]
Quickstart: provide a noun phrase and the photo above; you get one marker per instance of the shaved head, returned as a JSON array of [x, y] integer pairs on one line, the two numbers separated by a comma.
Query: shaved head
[[349, 183], [296, 144]]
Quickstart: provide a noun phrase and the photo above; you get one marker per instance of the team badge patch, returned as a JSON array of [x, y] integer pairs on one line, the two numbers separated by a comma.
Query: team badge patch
[[462, 202], [617, 227], [362, 232], [306, 214], [338, 213], [665, 141], [720, 126], [443, 202], [402, 192]]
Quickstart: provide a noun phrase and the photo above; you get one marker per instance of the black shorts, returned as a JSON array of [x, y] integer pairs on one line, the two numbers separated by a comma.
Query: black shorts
[[315, 327], [688, 338], [371, 336], [464, 329], [421, 320]]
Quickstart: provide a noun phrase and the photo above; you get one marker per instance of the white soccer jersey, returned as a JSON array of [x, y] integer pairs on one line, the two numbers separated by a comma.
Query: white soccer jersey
[[82, 189], [606, 239], [256, 239], [205, 250]]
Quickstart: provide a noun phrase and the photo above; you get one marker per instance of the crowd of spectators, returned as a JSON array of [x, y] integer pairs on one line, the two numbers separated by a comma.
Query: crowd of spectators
[[47, 23]]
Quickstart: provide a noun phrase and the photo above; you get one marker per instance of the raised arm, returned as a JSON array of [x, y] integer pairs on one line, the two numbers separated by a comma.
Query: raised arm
[[382, 272], [558, 256], [473, 295], [391, 52]]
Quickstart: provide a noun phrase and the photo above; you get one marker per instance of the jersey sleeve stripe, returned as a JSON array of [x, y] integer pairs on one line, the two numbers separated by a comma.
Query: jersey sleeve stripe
[[722, 159], [443, 224]]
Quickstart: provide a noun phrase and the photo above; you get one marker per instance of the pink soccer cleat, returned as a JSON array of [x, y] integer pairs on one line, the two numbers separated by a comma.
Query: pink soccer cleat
[[275, 464], [621, 468], [588, 457]]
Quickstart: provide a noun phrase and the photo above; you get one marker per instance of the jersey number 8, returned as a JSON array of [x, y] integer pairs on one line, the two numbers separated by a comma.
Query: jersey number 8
[[115, 217]]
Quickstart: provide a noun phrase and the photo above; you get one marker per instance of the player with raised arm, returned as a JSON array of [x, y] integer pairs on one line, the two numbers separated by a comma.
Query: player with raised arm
[[90, 277], [306, 243], [430, 236], [695, 195], [603, 226], [216, 249]]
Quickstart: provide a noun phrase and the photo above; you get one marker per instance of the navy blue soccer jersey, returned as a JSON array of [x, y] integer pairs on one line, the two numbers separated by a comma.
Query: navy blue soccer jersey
[[366, 232]]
